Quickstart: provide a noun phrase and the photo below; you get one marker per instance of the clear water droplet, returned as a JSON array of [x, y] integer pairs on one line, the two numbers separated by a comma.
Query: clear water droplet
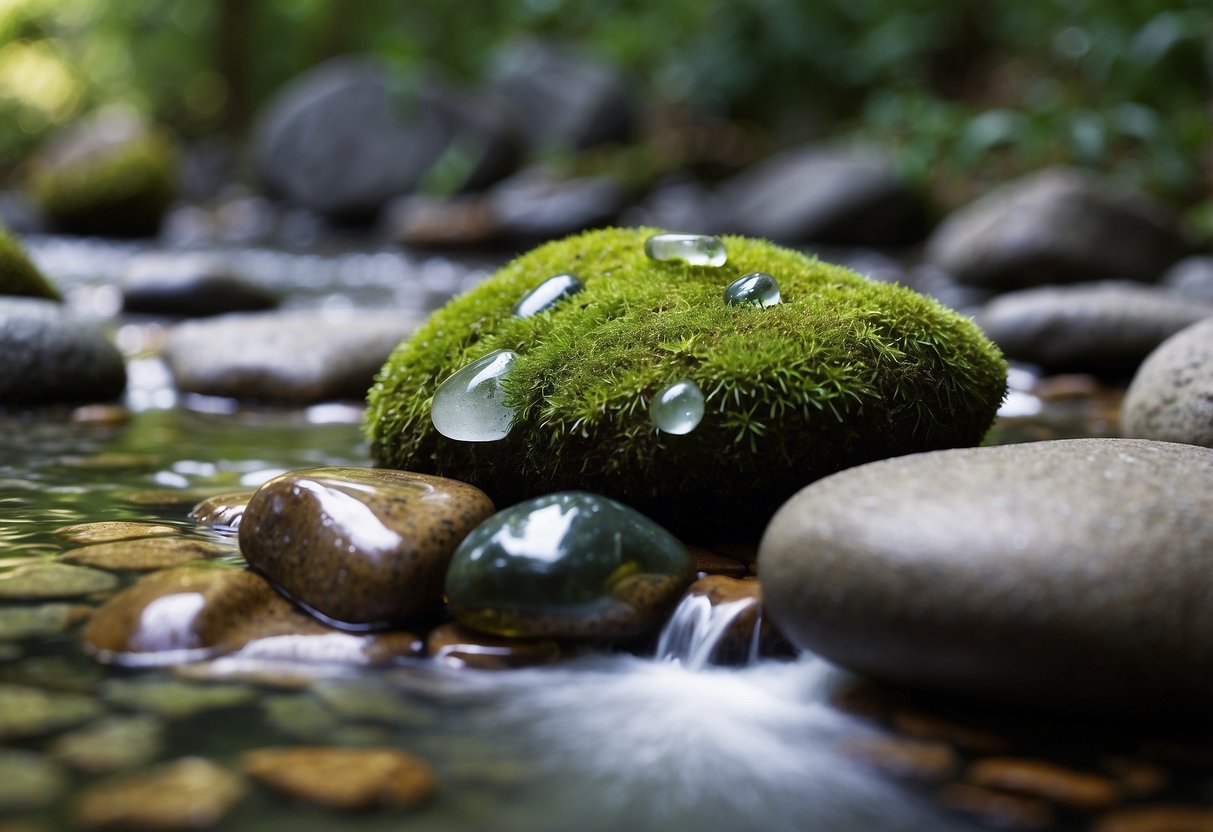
[[546, 294], [677, 409], [470, 405], [696, 249], [753, 289]]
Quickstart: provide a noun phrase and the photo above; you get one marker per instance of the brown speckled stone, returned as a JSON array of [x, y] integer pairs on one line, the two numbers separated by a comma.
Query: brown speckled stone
[[145, 555], [1158, 819], [109, 530], [190, 793], [1043, 779], [344, 778], [360, 546], [457, 646]]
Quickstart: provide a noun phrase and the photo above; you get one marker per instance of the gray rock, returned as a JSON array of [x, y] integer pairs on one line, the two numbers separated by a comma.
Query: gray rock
[[679, 205], [535, 204], [1106, 327], [336, 141], [190, 285], [1171, 397], [1057, 226], [51, 357], [823, 194], [1065, 574], [1192, 276], [284, 357]]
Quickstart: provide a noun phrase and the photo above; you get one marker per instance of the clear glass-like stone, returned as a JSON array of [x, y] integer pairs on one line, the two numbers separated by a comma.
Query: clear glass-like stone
[[696, 249], [470, 405], [546, 294], [753, 289], [678, 408]]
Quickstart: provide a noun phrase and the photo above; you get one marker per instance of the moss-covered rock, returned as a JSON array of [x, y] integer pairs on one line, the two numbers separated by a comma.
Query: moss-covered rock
[[112, 175], [18, 274], [843, 371]]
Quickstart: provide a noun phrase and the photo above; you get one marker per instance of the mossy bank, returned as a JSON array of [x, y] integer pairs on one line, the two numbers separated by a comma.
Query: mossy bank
[[843, 371], [18, 274]]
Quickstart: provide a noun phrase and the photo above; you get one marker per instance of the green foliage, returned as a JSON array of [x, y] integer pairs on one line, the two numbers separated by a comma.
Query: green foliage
[[843, 371], [19, 276]]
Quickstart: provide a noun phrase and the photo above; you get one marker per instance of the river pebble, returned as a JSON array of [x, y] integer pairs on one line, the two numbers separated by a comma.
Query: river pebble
[[344, 778], [1171, 395], [28, 780], [189, 793], [146, 555], [456, 646], [39, 581], [1050, 781], [30, 712], [111, 744], [18, 623], [110, 530]]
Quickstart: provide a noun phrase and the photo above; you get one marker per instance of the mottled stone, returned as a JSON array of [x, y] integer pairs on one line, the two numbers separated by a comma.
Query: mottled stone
[[17, 623], [30, 712], [1171, 395], [344, 778], [28, 780], [360, 546], [50, 356], [567, 565], [38, 581], [924, 762], [1082, 561], [1158, 819], [112, 530], [223, 511], [1050, 781], [110, 744], [456, 646], [145, 555], [173, 698], [189, 793]]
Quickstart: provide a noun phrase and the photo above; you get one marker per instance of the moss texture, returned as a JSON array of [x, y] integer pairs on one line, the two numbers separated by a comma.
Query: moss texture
[[122, 191], [18, 275], [844, 371]]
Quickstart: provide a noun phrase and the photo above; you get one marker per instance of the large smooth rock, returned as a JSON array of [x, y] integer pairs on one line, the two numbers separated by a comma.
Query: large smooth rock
[[360, 546], [1066, 574], [1057, 226], [1107, 327], [48, 356], [1171, 396], [824, 194], [284, 357], [337, 142]]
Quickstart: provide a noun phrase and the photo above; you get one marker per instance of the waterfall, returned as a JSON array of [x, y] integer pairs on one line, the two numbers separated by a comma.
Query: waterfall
[[698, 628]]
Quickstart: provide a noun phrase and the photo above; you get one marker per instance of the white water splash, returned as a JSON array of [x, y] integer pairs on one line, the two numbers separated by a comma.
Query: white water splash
[[696, 628]]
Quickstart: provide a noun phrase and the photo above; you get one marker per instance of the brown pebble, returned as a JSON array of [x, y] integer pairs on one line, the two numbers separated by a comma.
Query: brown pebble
[[344, 778], [146, 555], [1158, 819], [107, 531], [223, 511], [101, 415], [924, 762], [457, 646], [926, 726], [1040, 778], [714, 564], [996, 809], [190, 793], [1137, 777], [1066, 386]]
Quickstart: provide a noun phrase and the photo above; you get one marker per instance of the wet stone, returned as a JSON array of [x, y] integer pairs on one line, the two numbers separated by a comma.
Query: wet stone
[[222, 512], [693, 249], [111, 744], [456, 646], [145, 555], [754, 289], [367, 701], [719, 621], [714, 564], [996, 809], [107, 531], [17, 623], [189, 793], [547, 294], [928, 726], [1043, 779], [678, 408], [28, 780], [38, 581], [470, 405], [924, 762], [344, 778], [1158, 819], [360, 546], [30, 712], [172, 698], [567, 565], [1137, 777], [1171, 395]]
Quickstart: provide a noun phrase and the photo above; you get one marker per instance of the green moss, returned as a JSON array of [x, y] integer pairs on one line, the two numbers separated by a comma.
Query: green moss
[[844, 371], [121, 191], [19, 276]]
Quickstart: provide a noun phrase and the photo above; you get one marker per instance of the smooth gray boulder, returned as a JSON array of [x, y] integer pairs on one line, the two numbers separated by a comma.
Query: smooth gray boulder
[[1067, 574], [49, 356], [1171, 396], [1057, 226]]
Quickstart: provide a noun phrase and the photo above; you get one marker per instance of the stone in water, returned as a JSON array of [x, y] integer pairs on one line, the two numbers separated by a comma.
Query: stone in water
[[678, 408], [544, 296], [696, 249], [753, 289], [470, 405]]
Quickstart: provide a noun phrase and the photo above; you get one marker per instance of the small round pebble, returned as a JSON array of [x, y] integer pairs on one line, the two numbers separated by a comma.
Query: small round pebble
[[28, 780], [145, 555], [344, 778], [24, 622], [189, 793], [111, 744], [223, 511], [172, 698], [39, 581], [1047, 780], [996, 809], [31, 712], [111, 530], [923, 762]]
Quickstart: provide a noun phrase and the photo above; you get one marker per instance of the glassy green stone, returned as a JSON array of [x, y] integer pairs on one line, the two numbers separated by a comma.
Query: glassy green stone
[[567, 565], [696, 249], [677, 409], [753, 289], [546, 294], [470, 405]]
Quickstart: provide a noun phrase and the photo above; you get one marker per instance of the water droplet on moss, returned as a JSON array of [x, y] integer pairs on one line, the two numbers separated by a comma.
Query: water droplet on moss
[[470, 405], [678, 408], [546, 294], [696, 249], [753, 289]]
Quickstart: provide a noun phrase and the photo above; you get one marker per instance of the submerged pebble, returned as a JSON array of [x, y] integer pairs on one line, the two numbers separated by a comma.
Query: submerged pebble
[[754, 289], [38, 581], [567, 565], [344, 778], [222, 512], [695, 249], [172, 698], [17, 623], [145, 555], [28, 780], [456, 646], [546, 295], [678, 408], [111, 744], [30, 712], [110, 530], [189, 793], [470, 405]]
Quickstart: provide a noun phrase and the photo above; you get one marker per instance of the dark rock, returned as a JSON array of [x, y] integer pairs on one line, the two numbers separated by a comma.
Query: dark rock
[[190, 285], [1065, 574], [1171, 396], [1105, 328], [18, 274], [535, 204], [719, 621], [284, 357], [1192, 277], [50, 357], [360, 546], [824, 194], [1057, 226]]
